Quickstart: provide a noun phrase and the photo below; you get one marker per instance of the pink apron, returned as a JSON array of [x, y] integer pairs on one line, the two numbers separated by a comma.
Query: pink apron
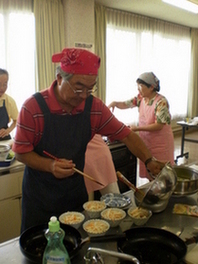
[[98, 164], [161, 142]]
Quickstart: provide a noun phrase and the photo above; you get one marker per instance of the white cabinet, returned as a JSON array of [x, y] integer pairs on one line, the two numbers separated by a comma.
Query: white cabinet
[[10, 202]]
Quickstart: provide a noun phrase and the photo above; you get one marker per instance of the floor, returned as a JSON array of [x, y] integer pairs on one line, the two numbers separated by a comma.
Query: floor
[[190, 147]]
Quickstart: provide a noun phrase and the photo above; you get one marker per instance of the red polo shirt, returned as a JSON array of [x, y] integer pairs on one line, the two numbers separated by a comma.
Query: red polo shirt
[[30, 122]]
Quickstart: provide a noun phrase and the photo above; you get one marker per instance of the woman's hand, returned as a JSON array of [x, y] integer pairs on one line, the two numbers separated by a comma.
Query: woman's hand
[[134, 128], [4, 132], [112, 106]]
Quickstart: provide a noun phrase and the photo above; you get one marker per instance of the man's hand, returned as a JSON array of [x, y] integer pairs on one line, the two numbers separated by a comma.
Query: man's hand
[[62, 168], [154, 167]]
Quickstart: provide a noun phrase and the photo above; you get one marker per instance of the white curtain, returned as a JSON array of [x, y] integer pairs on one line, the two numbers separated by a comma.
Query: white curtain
[[137, 44], [17, 47]]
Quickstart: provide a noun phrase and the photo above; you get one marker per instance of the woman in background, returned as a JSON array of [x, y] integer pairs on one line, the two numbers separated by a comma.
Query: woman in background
[[8, 108], [154, 119]]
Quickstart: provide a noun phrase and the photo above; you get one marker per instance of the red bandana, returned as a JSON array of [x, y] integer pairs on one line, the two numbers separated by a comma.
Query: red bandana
[[77, 61]]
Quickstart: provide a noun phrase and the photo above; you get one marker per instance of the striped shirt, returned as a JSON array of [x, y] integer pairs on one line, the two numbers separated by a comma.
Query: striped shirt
[[30, 123]]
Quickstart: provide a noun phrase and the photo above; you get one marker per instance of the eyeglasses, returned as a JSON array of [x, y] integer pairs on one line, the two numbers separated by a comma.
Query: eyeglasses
[[84, 89]]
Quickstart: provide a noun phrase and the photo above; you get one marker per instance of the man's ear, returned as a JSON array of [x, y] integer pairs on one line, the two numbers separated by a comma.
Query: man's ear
[[59, 79]]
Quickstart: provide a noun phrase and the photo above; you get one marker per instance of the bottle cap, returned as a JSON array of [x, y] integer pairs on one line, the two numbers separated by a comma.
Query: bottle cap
[[54, 224]]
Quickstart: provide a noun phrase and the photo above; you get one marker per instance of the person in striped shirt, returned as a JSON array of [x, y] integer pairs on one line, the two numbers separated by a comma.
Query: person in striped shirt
[[61, 120]]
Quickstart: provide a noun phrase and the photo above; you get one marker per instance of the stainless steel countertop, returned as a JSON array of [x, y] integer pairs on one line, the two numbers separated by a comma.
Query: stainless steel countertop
[[10, 251]]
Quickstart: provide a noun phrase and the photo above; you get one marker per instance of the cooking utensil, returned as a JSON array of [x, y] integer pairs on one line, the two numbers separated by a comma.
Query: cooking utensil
[[33, 242], [187, 180], [139, 193], [153, 245], [148, 195], [159, 191], [87, 176], [80, 172]]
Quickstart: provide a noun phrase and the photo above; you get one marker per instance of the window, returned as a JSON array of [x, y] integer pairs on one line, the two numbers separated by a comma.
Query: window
[[17, 54], [131, 53]]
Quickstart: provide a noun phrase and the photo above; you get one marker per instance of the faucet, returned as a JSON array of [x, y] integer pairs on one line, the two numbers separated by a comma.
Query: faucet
[[116, 254]]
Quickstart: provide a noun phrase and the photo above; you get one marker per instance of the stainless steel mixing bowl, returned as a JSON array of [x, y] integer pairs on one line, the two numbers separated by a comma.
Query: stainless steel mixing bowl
[[4, 150], [159, 191], [187, 180]]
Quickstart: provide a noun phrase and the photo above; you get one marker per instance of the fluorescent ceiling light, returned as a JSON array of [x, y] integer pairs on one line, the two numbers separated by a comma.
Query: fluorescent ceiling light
[[183, 4]]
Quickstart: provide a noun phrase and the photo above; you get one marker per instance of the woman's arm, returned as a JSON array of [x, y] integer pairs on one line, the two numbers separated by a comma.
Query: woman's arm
[[120, 105], [151, 127]]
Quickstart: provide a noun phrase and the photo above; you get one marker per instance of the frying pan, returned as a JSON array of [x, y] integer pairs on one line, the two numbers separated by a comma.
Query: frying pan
[[33, 242], [153, 246]]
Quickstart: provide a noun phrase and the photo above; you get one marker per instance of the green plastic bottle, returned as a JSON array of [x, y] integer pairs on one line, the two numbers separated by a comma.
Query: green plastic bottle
[[55, 251]]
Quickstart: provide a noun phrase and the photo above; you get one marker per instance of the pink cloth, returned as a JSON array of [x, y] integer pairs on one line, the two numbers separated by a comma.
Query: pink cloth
[[161, 142], [98, 164]]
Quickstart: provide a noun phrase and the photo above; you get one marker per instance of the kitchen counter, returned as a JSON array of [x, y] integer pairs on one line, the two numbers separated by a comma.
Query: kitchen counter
[[10, 252], [13, 165], [11, 175]]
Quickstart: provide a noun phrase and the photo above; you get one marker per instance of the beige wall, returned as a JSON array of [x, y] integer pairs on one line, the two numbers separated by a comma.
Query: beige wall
[[79, 21]]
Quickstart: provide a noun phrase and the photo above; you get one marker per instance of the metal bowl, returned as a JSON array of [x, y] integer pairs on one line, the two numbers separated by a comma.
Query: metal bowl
[[159, 191], [4, 150], [187, 180]]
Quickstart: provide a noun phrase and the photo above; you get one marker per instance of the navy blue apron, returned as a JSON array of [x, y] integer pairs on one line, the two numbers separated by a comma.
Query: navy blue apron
[[64, 136], [4, 120]]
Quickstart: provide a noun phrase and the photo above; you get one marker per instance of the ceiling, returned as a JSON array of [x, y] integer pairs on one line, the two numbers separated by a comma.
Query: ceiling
[[156, 9]]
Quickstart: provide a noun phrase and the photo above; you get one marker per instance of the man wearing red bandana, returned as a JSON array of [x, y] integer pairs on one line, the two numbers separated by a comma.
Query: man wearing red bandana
[[62, 120]]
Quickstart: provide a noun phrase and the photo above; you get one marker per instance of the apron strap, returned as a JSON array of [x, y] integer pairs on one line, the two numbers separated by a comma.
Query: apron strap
[[41, 102]]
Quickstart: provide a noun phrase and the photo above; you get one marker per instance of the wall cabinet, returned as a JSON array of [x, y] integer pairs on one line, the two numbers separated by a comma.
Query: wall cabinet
[[10, 202]]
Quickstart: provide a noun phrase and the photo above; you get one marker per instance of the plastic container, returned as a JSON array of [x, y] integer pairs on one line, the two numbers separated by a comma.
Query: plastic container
[[55, 251]]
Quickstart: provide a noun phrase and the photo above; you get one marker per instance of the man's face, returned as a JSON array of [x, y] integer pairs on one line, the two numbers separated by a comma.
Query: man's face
[[77, 89], [3, 83]]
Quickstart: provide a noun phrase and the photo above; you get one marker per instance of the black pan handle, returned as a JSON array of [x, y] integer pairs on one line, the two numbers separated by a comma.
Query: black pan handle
[[107, 237], [191, 240]]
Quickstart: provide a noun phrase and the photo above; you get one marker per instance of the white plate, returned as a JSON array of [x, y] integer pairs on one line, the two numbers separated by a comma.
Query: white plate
[[116, 200]]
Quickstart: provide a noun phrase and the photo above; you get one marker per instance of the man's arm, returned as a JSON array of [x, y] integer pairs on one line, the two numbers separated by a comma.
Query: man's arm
[[60, 169], [136, 145]]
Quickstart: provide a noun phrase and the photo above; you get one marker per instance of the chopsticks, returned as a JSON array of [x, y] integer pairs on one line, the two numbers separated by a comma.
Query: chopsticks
[[76, 170], [87, 176]]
